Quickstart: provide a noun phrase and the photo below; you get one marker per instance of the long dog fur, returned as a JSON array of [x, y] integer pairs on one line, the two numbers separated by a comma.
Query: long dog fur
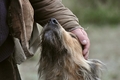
[[61, 56]]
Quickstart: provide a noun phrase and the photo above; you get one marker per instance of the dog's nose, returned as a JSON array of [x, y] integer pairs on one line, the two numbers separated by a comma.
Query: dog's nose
[[53, 21]]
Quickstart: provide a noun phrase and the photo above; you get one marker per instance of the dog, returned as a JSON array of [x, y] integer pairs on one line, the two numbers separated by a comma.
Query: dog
[[61, 56]]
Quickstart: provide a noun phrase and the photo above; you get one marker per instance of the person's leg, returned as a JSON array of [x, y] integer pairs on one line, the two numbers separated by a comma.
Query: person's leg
[[9, 70]]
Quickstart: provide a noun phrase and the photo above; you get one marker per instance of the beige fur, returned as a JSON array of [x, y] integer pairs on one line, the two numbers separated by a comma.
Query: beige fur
[[62, 59]]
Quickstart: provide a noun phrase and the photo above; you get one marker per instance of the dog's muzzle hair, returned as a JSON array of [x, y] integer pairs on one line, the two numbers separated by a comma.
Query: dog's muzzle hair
[[61, 56]]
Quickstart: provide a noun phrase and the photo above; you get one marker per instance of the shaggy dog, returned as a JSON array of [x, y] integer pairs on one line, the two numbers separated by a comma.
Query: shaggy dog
[[61, 56]]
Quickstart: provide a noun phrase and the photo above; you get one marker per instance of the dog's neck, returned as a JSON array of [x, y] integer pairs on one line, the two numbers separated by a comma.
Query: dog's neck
[[62, 68]]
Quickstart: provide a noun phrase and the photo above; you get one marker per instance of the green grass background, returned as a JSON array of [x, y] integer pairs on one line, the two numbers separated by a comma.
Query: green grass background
[[95, 11]]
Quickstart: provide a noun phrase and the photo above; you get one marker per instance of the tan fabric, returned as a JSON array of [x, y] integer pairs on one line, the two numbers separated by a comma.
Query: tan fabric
[[22, 16]]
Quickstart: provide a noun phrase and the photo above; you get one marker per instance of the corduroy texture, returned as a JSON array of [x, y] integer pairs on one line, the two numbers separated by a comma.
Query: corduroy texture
[[6, 42]]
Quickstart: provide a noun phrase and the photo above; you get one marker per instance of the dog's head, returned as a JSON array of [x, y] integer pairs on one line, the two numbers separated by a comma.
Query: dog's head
[[57, 39], [58, 44]]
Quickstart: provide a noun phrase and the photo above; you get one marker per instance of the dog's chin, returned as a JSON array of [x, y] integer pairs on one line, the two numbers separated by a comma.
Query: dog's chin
[[51, 39], [51, 35]]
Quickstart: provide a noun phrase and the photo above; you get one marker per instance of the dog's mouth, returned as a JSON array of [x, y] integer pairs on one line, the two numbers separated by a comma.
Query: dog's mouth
[[52, 28]]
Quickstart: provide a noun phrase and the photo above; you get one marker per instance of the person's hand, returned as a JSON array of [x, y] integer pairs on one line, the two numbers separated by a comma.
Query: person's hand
[[84, 40]]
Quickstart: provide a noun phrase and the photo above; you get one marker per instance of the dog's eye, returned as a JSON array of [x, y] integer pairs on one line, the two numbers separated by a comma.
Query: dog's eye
[[73, 36]]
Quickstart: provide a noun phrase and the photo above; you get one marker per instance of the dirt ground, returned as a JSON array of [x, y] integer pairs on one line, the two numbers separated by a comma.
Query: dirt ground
[[105, 45]]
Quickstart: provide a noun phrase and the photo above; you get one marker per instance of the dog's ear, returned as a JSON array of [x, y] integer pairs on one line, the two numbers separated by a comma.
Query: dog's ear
[[96, 68]]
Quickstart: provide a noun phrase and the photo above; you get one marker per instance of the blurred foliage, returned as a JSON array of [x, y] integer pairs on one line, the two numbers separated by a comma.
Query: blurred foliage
[[95, 11]]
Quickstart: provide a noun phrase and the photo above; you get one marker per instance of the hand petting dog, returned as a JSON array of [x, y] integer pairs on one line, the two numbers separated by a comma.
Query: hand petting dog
[[84, 40]]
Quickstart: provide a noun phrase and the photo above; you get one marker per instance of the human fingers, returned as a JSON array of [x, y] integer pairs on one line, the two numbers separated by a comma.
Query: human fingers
[[84, 40], [86, 46]]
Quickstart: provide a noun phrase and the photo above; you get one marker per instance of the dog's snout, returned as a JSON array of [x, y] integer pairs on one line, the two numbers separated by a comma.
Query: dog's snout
[[53, 21]]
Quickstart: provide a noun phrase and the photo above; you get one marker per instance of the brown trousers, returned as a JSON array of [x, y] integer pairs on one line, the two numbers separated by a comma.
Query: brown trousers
[[9, 70]]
